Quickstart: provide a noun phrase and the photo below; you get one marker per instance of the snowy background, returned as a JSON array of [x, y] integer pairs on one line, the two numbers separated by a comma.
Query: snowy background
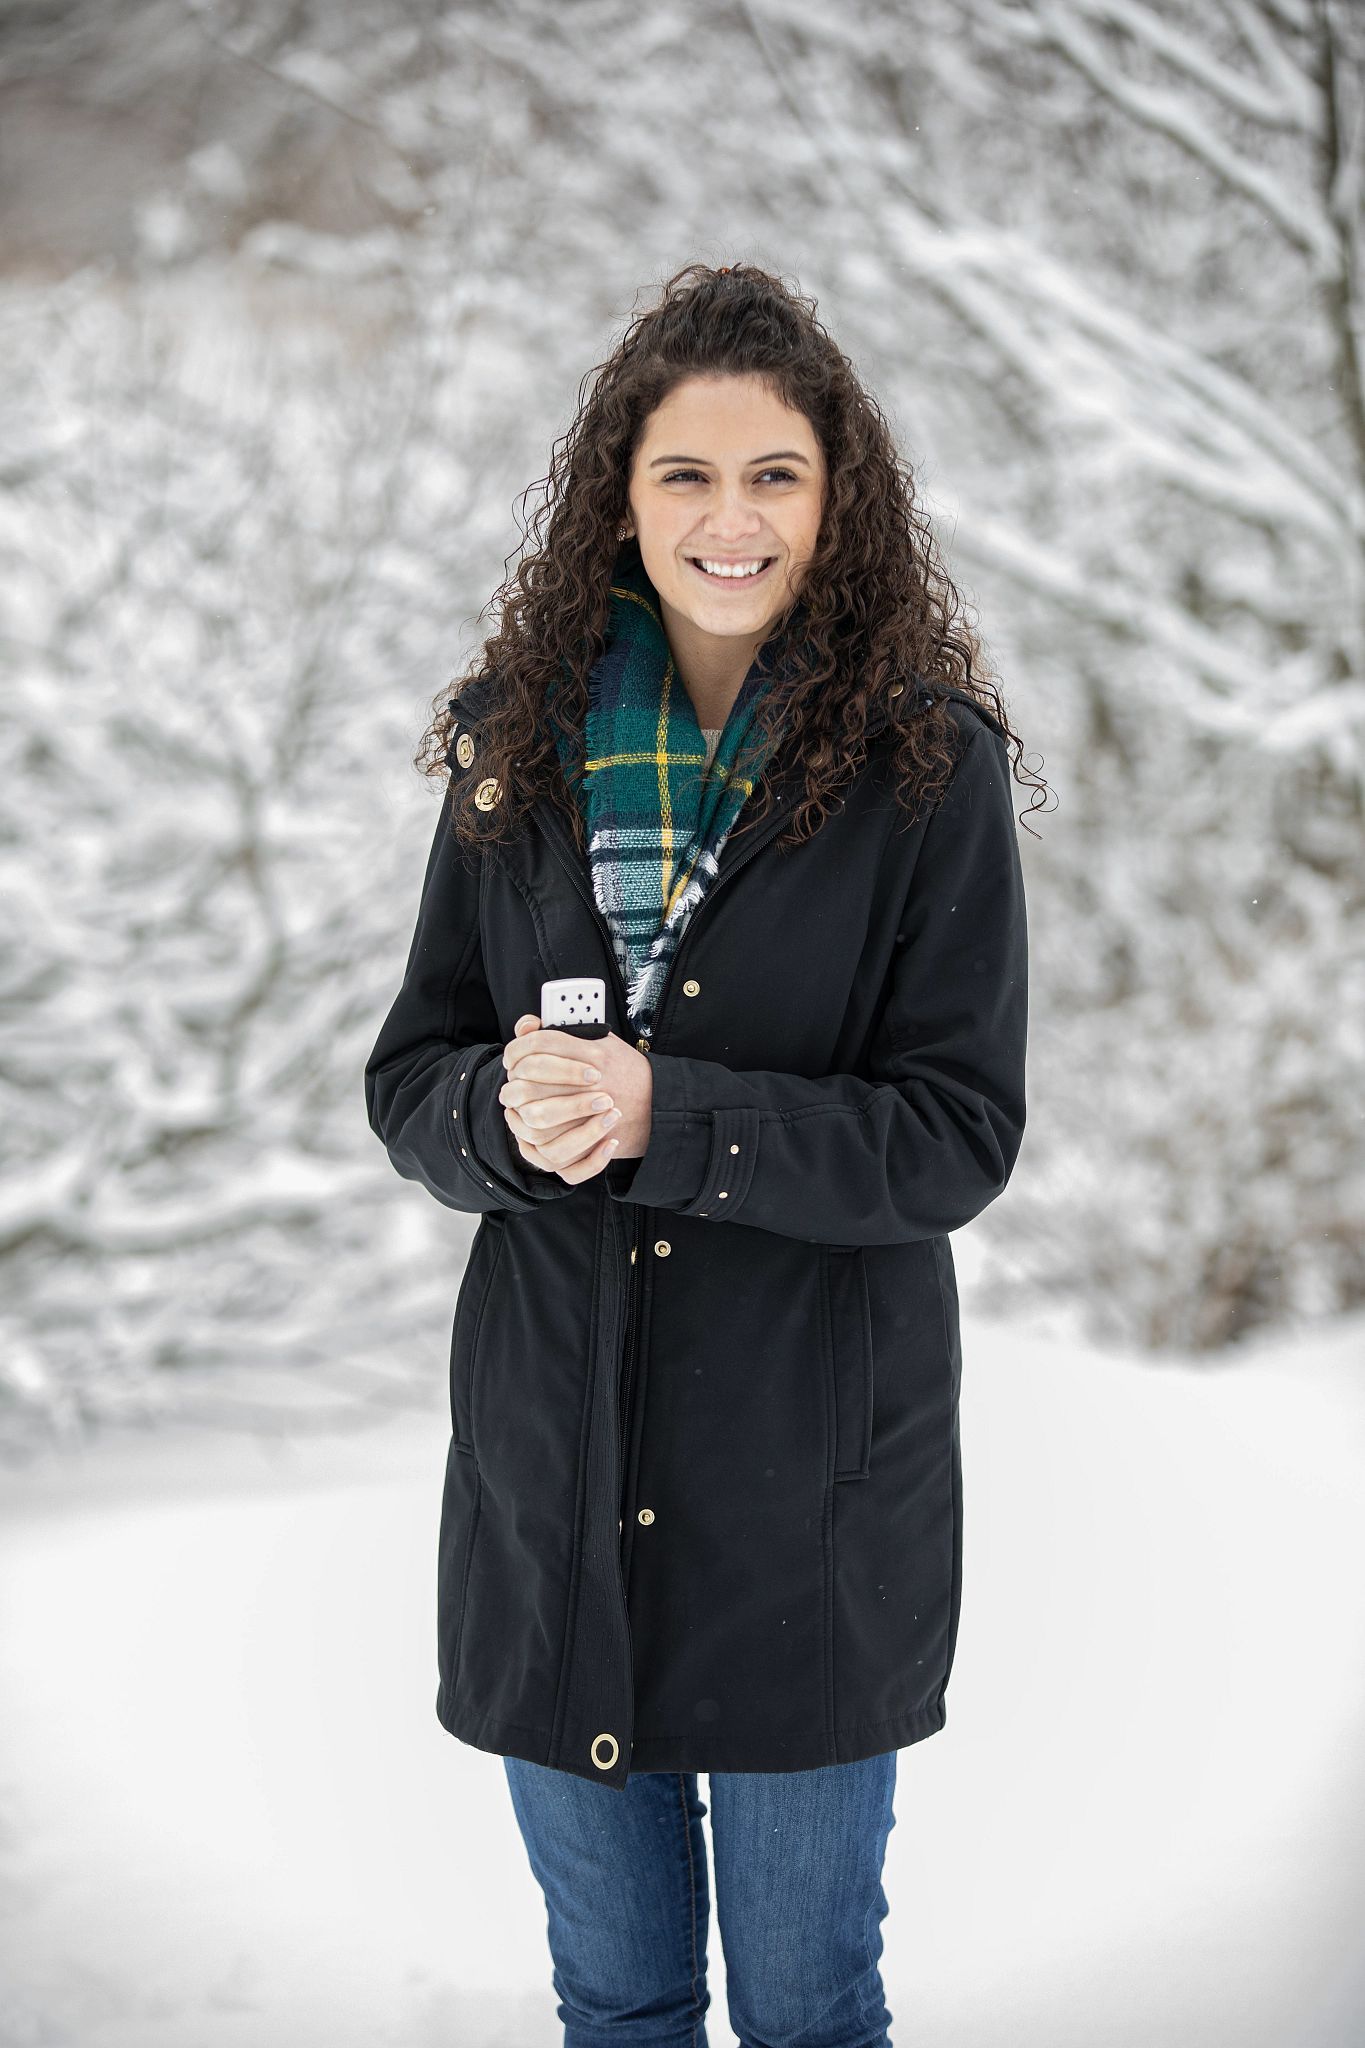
[[229, 1816], [293, 303]]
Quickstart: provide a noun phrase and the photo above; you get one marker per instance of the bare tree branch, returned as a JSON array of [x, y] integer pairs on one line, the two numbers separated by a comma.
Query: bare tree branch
[[1289, 104], [1048, 24]]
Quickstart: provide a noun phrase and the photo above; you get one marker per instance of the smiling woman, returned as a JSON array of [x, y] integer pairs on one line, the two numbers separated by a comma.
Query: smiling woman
[[702, 1506], [726, 534]]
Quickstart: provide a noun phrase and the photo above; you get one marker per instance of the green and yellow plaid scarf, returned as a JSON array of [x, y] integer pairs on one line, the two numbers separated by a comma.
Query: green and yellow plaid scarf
[[656, 816]]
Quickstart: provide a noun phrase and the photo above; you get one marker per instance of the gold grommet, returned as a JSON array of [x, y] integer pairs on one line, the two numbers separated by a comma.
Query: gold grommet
[[646, 1516], [691, 988], [488, 793], [896, 689], [605, 1763], [663, 1247], [464, 750]]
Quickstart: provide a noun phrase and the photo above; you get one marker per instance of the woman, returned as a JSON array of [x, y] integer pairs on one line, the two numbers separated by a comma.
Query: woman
[[702, 1506]]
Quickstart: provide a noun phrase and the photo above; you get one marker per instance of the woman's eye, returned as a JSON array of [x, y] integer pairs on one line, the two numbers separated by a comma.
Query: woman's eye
[[674, 475]]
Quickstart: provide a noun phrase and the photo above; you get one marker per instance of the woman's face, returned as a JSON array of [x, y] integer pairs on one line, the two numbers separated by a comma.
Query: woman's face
[[726, 473]]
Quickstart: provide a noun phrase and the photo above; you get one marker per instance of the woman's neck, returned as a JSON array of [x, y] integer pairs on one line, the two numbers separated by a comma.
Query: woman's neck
[[712, 669], [712, 695]]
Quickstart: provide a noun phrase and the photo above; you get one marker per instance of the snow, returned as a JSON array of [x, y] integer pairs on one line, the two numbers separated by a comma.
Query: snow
[[229, 1816]]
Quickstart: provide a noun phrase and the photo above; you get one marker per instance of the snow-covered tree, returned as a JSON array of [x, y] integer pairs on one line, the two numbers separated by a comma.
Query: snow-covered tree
[[294, 302]]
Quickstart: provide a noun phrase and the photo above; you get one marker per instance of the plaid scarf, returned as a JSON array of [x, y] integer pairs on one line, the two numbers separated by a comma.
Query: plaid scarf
[[656, 815]]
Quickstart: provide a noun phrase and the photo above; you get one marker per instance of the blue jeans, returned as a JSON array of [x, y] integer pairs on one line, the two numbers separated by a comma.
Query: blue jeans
[[799, 1900]]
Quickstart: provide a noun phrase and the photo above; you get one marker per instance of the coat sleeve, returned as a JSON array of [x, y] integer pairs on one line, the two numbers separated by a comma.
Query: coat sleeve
[[432, 1078], [925, 1144]]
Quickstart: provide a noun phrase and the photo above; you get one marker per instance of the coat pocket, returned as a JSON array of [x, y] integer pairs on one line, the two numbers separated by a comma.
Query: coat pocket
[[850, 1332], [470, 1305]]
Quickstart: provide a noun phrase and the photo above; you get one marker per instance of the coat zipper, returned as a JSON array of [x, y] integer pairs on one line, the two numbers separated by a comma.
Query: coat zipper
[[567, 852]]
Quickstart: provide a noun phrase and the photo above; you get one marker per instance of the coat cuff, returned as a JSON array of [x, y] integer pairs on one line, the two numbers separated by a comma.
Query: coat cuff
[[698, 1162], [480, 1138]]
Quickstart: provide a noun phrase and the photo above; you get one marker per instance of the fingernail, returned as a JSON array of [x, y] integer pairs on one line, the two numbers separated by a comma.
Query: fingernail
[[612, 1144], [591, 1074], [612, 1117], [601, 1102]]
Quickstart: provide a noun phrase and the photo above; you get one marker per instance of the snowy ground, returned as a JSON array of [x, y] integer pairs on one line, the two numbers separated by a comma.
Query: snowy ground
[[228, 1815]]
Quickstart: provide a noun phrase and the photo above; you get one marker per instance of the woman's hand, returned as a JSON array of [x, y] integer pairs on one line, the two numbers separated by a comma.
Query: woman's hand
[[564, 1123]]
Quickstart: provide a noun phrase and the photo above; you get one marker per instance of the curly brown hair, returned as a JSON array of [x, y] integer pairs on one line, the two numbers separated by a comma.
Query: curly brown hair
[[878, 606]]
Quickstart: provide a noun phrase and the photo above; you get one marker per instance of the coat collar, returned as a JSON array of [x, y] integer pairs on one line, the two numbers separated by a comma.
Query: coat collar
[[787, 782], [474, 699]]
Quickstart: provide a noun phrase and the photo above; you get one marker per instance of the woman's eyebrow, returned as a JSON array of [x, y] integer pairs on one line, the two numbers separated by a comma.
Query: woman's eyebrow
[[782, 455]]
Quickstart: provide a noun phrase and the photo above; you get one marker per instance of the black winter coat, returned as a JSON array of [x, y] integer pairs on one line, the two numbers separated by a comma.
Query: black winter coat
[[742, 1349]]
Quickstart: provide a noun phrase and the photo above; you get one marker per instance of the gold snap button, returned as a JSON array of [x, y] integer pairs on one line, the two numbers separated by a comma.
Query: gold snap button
[[464, 750], [691, 988], [646, 1516], [488, 793], [896, 689], [604, 1763], [663, 1247], [734, 1148]]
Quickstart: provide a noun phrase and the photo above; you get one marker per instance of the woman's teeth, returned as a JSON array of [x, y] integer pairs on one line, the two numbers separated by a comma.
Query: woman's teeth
[[732, 572]]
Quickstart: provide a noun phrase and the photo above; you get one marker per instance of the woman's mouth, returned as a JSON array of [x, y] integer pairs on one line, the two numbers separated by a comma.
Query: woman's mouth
[[724, 575]]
